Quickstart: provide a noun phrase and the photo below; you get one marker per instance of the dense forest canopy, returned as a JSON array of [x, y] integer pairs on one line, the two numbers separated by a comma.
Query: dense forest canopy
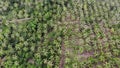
[[59, 33]]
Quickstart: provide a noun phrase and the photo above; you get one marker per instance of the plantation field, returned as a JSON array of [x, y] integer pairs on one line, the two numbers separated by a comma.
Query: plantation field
[[59, 33]]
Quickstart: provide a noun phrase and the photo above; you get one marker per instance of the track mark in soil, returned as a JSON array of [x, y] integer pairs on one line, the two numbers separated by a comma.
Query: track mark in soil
[[62, 59]]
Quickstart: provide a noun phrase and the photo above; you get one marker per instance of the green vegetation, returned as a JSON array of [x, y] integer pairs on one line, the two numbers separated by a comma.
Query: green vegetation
[[59, 33]]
